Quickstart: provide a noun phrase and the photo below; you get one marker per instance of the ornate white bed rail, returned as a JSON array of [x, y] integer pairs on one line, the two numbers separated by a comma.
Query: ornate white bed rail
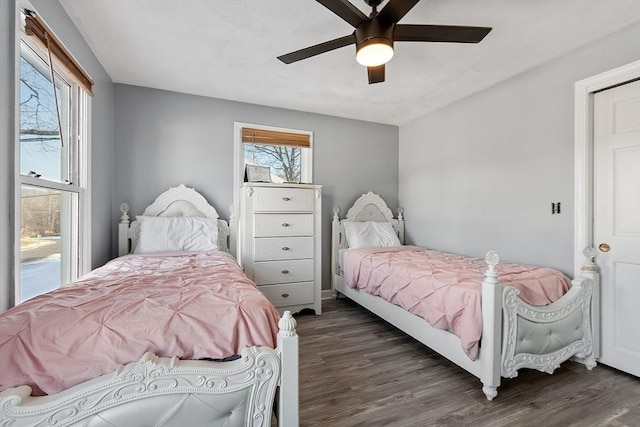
[[515, 334], [163, 391]]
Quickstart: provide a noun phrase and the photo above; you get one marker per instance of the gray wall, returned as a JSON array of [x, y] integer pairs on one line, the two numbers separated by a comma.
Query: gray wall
[[166, 138], [481, 173], [102, 155]]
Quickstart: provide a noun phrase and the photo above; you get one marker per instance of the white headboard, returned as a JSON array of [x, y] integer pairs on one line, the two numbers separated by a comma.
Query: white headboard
[[176, 201], [368, 207]]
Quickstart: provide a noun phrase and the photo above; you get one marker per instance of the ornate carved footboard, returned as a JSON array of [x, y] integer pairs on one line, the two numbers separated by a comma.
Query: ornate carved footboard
[[543, 337], [168, 391], [535, 337]]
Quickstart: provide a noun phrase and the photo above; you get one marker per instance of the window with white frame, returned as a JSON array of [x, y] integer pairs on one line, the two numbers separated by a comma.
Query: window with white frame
[[51, 156], [286, 152]]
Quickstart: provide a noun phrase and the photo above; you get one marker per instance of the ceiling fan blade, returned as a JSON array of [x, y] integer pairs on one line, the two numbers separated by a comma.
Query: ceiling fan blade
[[308, 52], [439, 33], [345, 10], [376, 74], [395, 10]]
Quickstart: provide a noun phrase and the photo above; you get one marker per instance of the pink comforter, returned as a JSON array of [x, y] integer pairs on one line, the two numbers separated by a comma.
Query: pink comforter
[[445, 289], [190, 305]]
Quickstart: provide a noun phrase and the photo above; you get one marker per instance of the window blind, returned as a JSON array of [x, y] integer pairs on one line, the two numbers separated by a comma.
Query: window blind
[[269, 137], [36, 28]]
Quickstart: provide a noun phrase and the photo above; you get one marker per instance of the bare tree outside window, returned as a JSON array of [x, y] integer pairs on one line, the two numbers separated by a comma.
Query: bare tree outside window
[[283, 161], [38, 124], [40, 212], [41, 150]]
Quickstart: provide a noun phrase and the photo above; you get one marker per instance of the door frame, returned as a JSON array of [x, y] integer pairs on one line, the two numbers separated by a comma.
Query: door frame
[[583, 170], [583, 197]]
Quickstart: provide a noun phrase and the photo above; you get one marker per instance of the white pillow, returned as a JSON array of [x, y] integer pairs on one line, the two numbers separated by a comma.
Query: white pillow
[[370, 234], [176, 233]]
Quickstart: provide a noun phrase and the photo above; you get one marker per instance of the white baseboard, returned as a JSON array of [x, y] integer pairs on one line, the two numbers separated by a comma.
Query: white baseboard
[[326, 294]]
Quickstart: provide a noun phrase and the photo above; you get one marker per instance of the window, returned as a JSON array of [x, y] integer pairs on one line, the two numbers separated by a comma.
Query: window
[[281, 151], [52, 160], [284, 162], [287, 152]]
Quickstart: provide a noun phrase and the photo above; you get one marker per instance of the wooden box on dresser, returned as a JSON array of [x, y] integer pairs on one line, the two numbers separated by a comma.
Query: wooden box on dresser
[[280, 243]]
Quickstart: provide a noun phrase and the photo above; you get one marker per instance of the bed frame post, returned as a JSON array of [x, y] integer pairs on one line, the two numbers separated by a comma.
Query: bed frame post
[[490, 350], [401, 225], [123, 230], [591, 271], [288, 392], [335, 237], [233, 231]]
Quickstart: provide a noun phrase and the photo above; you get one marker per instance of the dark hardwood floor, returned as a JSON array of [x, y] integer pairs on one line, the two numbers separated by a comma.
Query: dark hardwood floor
[[357, 370]]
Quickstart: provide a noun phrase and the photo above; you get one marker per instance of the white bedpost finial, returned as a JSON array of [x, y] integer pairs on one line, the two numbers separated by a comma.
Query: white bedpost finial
[[400, 213], [588, 264], [492, 260], [287, 325], [124, 218], [288, 410], [336, 211]]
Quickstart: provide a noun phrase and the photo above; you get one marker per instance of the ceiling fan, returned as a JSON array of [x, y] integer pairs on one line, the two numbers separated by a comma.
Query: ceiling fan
[[374, 35]]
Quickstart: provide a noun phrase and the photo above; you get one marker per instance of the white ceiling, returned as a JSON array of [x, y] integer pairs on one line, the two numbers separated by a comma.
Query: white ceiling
[[227, 49]]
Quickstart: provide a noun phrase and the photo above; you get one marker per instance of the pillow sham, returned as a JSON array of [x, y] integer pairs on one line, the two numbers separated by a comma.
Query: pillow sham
[[176, 233], [370, 234]]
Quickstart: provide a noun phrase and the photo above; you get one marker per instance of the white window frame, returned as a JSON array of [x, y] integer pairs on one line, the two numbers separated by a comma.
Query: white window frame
[[79, 262], [306, 158]]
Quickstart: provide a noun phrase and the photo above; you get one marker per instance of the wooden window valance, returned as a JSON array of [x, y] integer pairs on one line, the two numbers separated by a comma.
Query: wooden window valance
[[36, 28], [270, 137]]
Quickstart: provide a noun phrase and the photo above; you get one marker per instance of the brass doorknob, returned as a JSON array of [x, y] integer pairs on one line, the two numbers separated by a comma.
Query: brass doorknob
[[604, 247]]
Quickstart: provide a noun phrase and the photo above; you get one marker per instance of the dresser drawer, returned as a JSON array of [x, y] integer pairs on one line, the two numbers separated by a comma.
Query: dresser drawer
[[277, 225], [284, 199], [289, 294], [280, 248], [274, 272]]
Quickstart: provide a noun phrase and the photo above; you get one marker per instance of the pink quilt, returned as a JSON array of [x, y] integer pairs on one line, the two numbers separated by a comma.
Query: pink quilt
[[190, 305], [445, 289]]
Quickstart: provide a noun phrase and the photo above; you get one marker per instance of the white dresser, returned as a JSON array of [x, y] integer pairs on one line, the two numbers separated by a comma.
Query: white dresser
[[280, 243]]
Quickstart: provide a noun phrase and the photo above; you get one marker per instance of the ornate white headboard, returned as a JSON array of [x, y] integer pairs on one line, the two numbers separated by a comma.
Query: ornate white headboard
[[176, 201], [368, 207]]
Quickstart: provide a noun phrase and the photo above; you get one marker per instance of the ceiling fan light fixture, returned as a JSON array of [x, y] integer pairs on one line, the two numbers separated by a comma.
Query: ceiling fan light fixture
[[375, 35], [374, 52]]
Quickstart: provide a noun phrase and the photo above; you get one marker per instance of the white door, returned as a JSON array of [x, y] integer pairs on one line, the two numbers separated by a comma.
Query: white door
[[616, 225]]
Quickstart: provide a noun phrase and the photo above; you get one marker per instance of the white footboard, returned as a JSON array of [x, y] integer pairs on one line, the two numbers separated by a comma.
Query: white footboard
[[536, 337], [543, 337], [168, 391]]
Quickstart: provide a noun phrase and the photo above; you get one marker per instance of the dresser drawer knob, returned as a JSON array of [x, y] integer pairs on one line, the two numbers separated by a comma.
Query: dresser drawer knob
[[285, 248], [285, 295], [285, 271], [286, 199], [285, 224]]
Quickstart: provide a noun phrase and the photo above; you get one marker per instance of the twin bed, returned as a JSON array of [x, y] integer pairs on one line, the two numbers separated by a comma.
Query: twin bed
[[172, 334], [491, 320]]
